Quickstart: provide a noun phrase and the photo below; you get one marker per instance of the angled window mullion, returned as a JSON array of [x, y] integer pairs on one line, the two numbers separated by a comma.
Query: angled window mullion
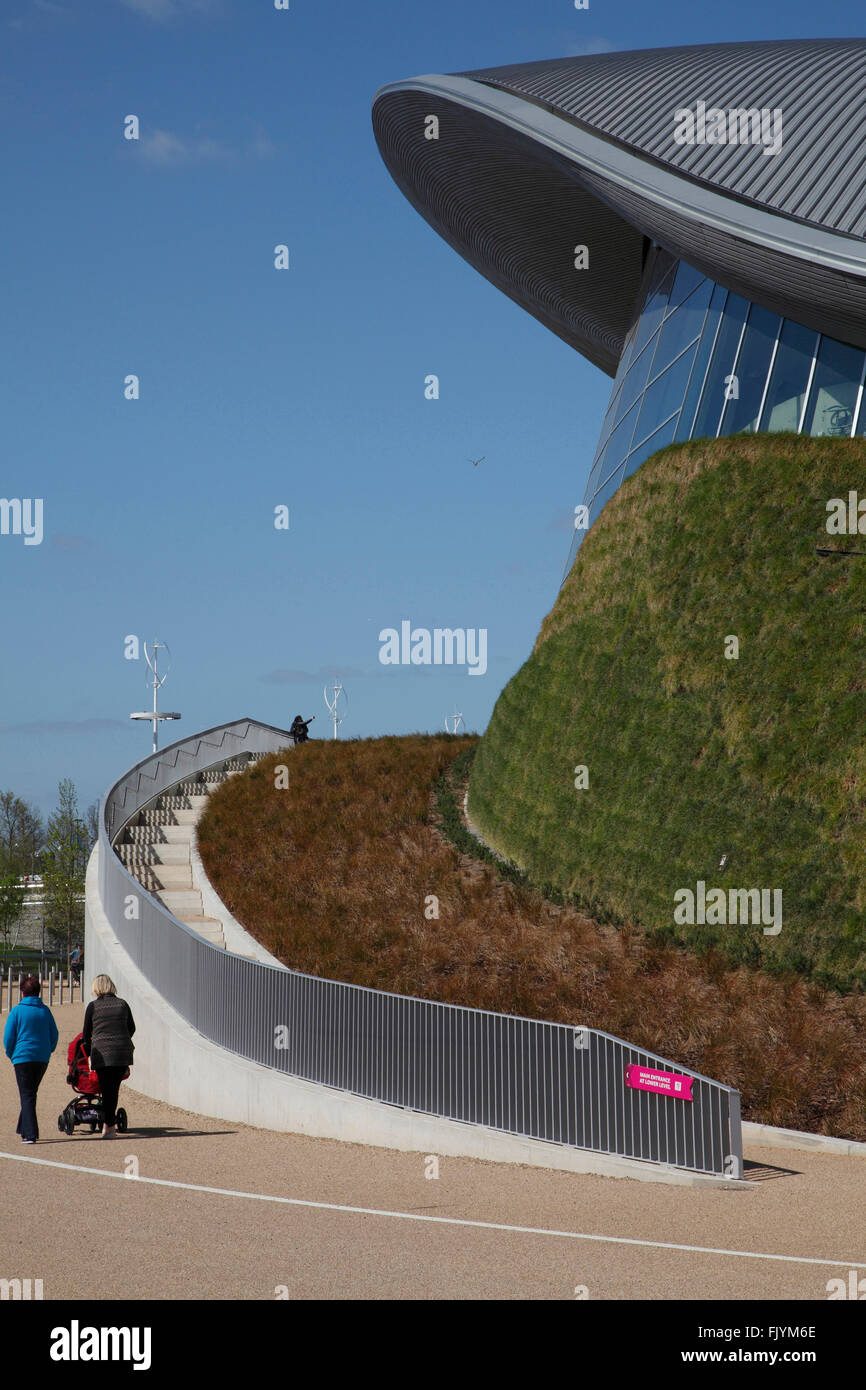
[[808, 390], [709, 360], [859, 404], [672, 363], [636, 443], [697, 344], [733, 372], [769, 376]]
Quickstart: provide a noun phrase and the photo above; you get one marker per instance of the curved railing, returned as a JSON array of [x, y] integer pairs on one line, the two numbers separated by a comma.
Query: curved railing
[[539, 1080]]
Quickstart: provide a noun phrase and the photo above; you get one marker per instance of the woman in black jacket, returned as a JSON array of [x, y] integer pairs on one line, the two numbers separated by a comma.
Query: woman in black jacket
[[107, 1039]]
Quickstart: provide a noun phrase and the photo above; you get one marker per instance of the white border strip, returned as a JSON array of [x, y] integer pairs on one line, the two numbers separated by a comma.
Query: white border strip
[[436, 1220]]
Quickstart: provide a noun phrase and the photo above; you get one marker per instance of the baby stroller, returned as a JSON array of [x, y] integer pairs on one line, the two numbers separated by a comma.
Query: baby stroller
[[86, 1108]]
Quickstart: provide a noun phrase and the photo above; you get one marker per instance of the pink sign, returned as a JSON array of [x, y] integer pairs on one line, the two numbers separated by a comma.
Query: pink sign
[[664, 1083]]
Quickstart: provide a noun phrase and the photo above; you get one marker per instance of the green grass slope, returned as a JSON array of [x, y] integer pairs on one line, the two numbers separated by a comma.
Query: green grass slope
[[690, 755]]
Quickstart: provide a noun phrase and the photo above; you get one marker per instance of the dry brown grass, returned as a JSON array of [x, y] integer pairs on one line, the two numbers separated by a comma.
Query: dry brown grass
[[332, 875]]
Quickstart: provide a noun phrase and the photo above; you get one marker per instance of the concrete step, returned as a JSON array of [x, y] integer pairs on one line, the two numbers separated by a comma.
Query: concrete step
[[188, 802], [140, 873], [182, 902], [156, 848], [157, 834], [174, 877], [170, 815], [147, 853], [155, 815], [208, 927], [169, 854]]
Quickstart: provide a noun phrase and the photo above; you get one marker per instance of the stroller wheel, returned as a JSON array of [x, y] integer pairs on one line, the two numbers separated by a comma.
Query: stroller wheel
[[61, 1123], [68, 1123], [121, 1120], [92, 1126]]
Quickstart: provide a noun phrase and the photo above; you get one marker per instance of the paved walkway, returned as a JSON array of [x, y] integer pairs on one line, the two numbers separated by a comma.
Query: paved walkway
[[91, 1235]]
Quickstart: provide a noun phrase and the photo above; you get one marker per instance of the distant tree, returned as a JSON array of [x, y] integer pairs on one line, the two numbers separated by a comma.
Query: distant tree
[[64, 866], [92, 819], [22, 836], [11, 904]]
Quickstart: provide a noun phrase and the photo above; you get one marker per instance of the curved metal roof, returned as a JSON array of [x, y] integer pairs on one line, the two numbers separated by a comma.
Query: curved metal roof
[[819, 85], [532, 159]]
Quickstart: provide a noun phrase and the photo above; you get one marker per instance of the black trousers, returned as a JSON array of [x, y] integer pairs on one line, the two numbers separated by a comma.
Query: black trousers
[[28, 1075], [109, 1084]]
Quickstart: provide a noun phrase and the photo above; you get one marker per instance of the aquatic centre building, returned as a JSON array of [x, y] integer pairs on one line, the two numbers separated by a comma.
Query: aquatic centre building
[[692, 220]]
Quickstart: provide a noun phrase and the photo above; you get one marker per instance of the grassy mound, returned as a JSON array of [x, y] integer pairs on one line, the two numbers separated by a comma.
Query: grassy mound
[[692, 756], [336, 874], [343, 873]]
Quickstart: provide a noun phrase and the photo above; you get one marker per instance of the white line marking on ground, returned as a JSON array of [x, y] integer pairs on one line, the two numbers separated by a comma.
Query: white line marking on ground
[[435, 1220]]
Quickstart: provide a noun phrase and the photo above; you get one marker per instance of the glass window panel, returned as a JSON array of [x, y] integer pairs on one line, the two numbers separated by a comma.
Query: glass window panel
[[658, 266], [705, 347], [663, 436], [617, 406], [753, 364], [627, 353], [610, 414], [721, 367], [861, 423], [620, 440], [681, 327], [606, 427], [834, 389], [615, 412], [687, 280], [784, 404], [622, 365], [605, 494], [596, 474], [654, 308], [636, 379], [665, 396]]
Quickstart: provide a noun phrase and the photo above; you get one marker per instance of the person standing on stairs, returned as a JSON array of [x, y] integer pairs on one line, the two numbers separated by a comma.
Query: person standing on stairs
[[298, 732], [107, 1038]]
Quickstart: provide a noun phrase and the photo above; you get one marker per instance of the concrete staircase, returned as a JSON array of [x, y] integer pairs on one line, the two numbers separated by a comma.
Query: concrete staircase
[[155, 845]]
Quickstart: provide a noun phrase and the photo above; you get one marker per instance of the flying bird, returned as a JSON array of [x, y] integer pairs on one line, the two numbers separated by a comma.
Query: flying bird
[[475, 462]]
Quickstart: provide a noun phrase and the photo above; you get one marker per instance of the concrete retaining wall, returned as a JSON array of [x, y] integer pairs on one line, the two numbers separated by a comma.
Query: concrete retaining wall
[[174, 1063]]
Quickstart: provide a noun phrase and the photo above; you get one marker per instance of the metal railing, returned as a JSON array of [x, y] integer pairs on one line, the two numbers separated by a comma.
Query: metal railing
[[540, 1080], [68, 987]]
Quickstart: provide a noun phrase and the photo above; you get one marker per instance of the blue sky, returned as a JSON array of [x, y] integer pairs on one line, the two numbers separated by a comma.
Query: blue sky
[[259, 388]]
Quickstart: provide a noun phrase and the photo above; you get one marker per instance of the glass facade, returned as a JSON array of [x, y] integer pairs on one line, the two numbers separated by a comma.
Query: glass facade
[[702, 361]]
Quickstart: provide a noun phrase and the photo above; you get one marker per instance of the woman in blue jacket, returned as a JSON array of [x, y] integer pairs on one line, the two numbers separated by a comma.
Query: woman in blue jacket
[[29, 1038]]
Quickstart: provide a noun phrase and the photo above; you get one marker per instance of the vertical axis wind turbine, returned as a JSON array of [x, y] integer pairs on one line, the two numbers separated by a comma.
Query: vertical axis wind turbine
[[338, 693], [154, 715]]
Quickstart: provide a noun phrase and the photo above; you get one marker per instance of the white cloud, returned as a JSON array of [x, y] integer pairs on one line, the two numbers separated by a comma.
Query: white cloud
[[286, 676], [63, 540], [65, 726], [161, 11], [166, 148], [170, 151], [586, 47]]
